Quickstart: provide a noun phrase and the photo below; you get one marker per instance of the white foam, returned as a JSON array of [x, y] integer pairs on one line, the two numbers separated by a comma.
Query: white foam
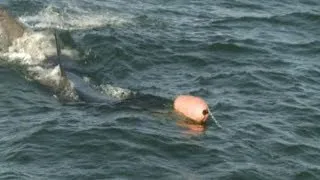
[[52, 75], [32, 48], [71, 17], [110, 90], [116, 92]]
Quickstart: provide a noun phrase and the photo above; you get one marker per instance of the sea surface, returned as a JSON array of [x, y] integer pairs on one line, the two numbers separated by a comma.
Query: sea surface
[[256, 63]]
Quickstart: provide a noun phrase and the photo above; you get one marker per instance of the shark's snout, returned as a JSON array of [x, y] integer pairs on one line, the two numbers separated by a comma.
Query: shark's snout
[[10, 29]]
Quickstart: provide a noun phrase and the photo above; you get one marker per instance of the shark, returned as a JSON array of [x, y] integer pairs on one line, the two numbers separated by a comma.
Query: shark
[[40, 58]]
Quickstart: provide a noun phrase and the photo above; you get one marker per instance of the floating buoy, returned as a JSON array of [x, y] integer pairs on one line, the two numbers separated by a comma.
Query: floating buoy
[[192, 107]]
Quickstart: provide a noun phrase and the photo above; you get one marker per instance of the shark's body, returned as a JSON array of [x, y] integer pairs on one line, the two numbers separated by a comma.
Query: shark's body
[[40, 57]]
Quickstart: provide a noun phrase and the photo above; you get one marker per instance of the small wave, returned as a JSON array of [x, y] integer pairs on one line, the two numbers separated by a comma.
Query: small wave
[[71, 17], [308, 130], [8, 173], [284, 19], [310, 173], [296, 150], [311, 47], [239, 4], [303, 15], [234, 47], [306, 45]]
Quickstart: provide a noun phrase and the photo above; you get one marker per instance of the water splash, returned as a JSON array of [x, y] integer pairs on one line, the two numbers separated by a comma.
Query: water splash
[[31, 49], [116, 92], [71, 17]]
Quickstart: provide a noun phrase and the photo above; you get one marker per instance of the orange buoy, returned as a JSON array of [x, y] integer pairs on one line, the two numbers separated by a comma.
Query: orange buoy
[[192, 107]]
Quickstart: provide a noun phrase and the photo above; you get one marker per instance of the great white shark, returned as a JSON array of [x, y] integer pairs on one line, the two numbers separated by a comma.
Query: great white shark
[[42, 59]]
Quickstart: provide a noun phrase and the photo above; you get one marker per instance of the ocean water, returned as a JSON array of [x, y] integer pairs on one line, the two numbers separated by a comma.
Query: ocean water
[[256, 63]]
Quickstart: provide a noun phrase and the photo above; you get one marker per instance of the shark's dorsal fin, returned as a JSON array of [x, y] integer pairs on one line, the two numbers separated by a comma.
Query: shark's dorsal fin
[[58, 47]]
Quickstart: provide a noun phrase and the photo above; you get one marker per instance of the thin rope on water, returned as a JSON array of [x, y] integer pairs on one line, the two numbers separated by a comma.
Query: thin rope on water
[[214, 119]]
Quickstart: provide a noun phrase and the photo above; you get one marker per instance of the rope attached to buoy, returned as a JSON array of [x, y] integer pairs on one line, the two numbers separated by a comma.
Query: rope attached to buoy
[[214, 119]]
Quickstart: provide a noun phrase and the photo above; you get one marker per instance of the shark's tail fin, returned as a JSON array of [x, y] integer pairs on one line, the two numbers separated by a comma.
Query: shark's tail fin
[[56, 37]]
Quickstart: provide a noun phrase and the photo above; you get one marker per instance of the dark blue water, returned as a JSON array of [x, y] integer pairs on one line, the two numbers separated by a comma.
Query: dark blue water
[[255, 62]]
